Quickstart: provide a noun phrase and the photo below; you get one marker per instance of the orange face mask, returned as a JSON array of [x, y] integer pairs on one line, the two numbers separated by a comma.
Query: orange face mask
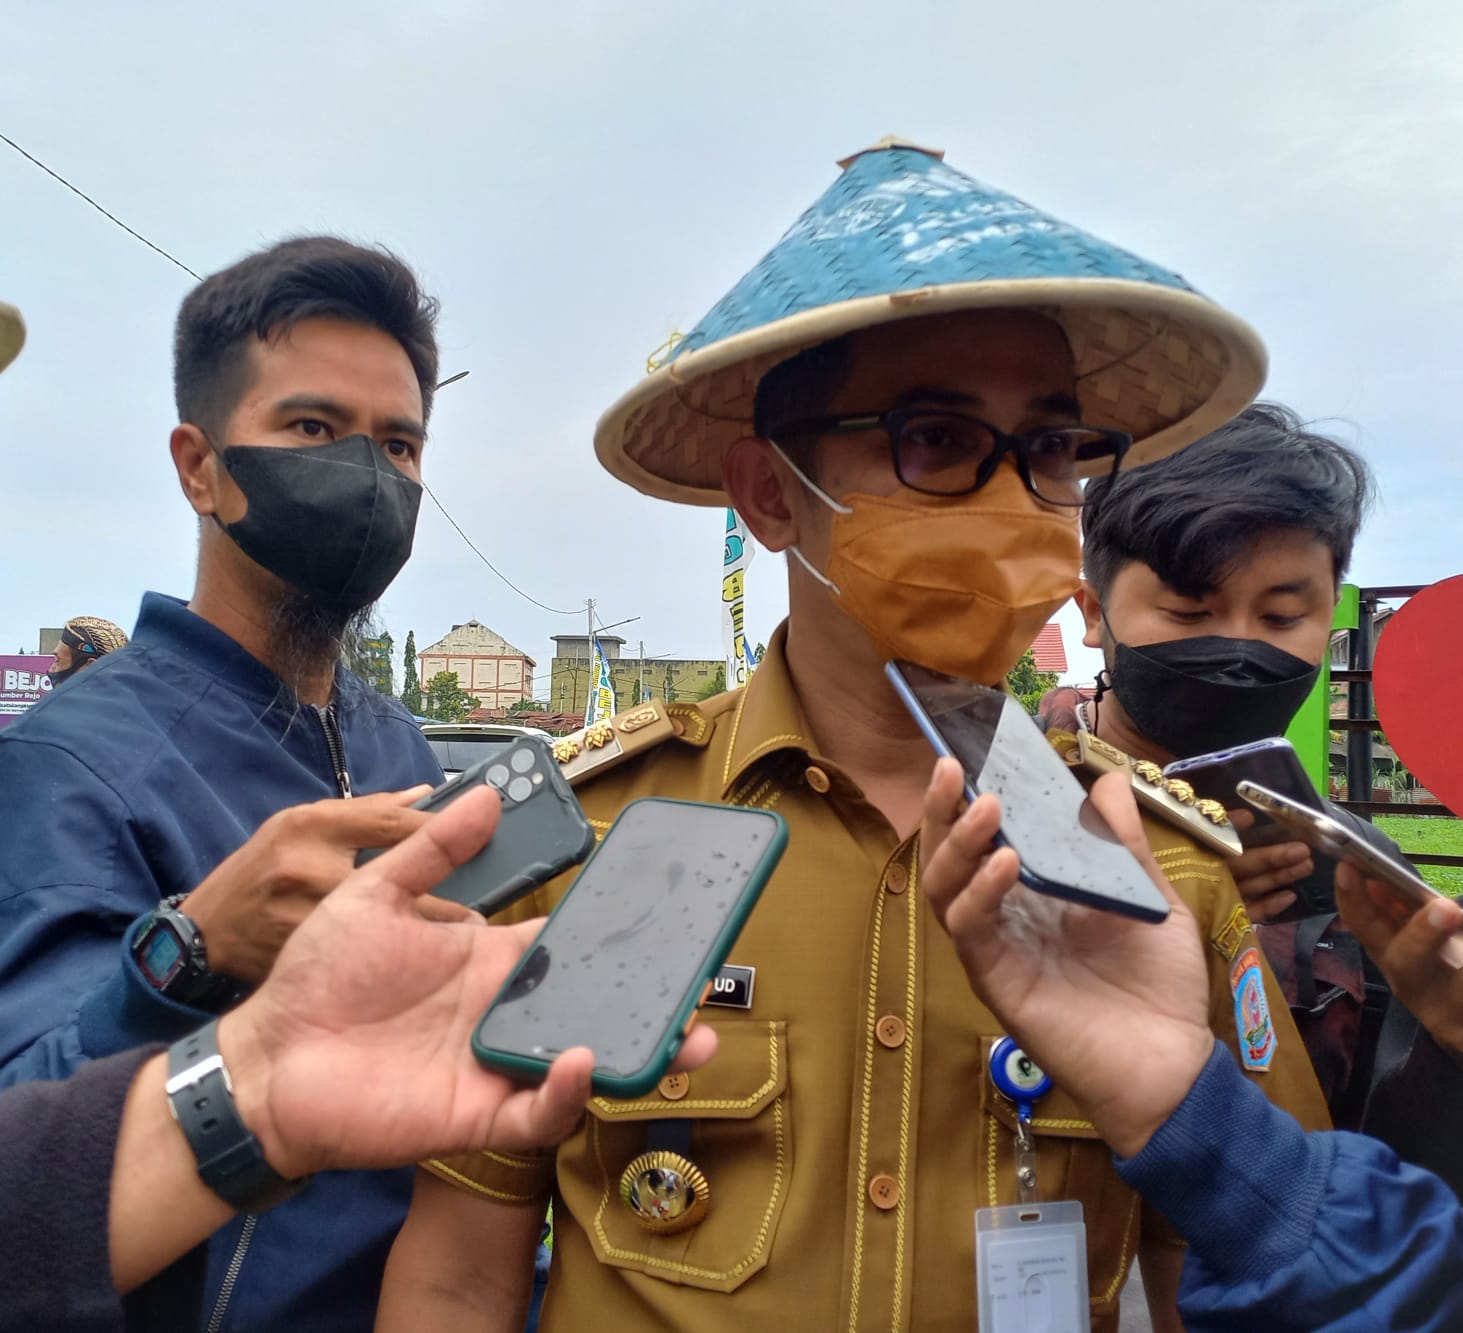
[[961, 584]]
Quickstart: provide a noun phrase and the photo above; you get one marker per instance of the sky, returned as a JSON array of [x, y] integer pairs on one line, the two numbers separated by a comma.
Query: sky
[[576, 181]]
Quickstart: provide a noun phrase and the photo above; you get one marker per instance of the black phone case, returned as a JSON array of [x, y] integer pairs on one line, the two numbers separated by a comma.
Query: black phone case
[[537, 837], [1278, 769], [1281, 771]]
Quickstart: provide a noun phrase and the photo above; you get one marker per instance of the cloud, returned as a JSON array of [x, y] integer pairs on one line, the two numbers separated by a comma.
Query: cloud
[[576, 182]]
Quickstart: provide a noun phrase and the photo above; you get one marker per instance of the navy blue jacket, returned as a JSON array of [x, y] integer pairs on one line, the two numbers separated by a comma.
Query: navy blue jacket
[[131, 782], [1289, 1231]]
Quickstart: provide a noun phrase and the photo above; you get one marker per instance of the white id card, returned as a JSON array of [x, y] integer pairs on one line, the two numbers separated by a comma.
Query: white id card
[[1031, 1269]]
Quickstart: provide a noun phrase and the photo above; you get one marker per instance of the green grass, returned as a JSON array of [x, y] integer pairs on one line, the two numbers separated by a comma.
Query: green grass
[[1421, 833]]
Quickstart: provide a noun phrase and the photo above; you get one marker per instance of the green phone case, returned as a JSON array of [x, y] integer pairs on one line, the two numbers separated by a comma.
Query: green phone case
[[530, 1069]]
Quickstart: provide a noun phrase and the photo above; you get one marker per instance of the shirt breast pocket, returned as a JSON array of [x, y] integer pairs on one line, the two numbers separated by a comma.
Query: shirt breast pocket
[[1072, 1162], [741, 1139]]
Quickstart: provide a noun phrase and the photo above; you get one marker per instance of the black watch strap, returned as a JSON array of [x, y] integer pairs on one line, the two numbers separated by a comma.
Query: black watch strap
[[230, 1161]]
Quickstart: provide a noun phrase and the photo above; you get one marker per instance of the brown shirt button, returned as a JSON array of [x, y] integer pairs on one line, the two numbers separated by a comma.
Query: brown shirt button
[[675, 1086], [884, 1192], [896, 878], [817, 779], [890, 1031]]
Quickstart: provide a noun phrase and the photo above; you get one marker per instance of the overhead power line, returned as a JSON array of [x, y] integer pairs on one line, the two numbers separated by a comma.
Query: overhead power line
[[111, 217], [552, 610]]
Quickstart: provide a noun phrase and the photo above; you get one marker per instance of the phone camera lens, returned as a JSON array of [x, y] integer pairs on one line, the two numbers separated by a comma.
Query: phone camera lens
[[522, 760], [498, 775], [520, 789]]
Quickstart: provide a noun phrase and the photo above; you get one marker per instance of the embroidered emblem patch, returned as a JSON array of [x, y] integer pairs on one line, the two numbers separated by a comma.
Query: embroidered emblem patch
[[1252, 1011], [1227, 939]]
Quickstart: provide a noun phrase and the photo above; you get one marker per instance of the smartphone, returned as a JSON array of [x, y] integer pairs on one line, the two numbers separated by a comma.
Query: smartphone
[[1272, 763], [1334, 839], [542, 831], [1066, 847], [627, 957]]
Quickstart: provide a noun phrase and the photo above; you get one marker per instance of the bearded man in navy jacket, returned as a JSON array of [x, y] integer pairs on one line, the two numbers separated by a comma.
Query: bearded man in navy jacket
[[175, 818]]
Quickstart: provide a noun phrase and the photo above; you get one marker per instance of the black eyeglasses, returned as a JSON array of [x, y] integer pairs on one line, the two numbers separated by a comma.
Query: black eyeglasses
[[950, 453]]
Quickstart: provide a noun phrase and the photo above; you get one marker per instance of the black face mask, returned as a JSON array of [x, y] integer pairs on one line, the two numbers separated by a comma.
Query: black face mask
[[334, 520], [1194, 696], [56, 677]]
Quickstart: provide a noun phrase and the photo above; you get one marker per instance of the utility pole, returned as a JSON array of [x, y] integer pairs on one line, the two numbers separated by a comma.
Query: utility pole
[[589, 653]]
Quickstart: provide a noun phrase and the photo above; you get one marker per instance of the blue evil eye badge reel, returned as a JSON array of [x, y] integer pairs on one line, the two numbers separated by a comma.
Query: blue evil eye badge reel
[[1031, 1256], [1018, 1077]]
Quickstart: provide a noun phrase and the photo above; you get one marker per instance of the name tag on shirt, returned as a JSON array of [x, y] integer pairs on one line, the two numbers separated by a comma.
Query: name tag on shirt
[[732, 987]]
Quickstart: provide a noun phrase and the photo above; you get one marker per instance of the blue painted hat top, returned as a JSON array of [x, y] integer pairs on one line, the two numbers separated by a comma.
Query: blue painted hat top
[[900, 234], [901, 219]]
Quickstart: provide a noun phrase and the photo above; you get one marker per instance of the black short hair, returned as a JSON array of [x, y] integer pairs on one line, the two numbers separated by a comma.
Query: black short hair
[[799, 388], [267, 293], [1192, 516]]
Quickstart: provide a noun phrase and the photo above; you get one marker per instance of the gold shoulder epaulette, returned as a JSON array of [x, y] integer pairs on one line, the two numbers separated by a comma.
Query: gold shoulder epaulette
[[1170, 799], [597, 748]]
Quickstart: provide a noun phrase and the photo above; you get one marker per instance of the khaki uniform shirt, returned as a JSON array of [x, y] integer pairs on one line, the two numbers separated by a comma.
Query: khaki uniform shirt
[[848, 1128]]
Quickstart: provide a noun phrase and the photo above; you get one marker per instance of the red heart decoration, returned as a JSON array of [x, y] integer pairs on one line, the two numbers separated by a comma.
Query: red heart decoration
[[1418, 647]]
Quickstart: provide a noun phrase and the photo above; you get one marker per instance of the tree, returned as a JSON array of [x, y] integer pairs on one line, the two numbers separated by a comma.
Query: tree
[[365, 650], [716, 685], [445, 700], [384, 678], [757, 656], [368, 654], [527, 706], [411, 682], [1028, 684]]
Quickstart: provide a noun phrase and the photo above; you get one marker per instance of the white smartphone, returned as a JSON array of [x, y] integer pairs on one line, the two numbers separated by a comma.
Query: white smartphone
[[1332, 838], [1067, 848]]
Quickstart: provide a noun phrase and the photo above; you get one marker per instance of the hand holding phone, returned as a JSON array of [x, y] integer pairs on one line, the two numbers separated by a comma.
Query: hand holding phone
[[541, 831], [1406, 887], [628, 956], [1066, 847], [1418, 954]]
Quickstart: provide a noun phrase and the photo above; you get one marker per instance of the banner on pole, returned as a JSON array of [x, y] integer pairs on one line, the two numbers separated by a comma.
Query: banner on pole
[[736, 555], [601, 702]]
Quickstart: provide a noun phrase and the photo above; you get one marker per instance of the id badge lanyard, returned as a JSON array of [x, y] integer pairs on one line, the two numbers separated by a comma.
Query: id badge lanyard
[[1031, 1257], [1018, 1078]]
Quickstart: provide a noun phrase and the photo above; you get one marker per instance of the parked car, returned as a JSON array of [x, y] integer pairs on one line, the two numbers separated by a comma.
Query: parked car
[[460, 745]]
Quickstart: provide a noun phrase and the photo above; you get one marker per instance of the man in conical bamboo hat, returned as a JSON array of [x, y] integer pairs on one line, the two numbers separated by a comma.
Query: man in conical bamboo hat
[[905, 395]]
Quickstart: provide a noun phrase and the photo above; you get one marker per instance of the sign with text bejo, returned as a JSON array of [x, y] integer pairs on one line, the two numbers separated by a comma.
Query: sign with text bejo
[[23, 683]]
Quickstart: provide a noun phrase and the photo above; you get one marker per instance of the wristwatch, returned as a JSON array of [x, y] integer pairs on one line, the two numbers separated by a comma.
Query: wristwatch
[[230, 1161], [169, 953]]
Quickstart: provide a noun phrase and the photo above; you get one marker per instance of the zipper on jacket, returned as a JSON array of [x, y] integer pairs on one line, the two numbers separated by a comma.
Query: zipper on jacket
[[335, 743], [231, 1276]]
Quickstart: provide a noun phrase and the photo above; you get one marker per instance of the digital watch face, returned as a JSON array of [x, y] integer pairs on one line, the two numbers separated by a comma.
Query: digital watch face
[[161, 955]]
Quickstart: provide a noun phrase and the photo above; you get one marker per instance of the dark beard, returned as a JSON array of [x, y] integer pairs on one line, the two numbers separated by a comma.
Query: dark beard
[[305, 635]]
